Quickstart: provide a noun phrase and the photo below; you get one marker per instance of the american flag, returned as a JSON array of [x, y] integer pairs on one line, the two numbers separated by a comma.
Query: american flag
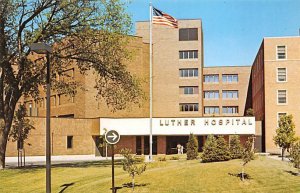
[[162, 18]]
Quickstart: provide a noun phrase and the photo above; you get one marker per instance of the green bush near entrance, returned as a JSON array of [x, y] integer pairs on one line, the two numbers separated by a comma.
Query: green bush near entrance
[[215, 150], [192, 147], [235, 147]]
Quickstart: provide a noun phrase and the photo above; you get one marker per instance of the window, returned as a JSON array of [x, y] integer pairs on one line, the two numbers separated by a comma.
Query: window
[[211, 78], [69, 142], [65, 99], [188, 107], [230, 110], [211, 94], [281, 52], [281, 96], [188, 34], [188, 90], [189, 72], [211, 110], [281, 74], [188, 54], [230, 94], [230, 78]]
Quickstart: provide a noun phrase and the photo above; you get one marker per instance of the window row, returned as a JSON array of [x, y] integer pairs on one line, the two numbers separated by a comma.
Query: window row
[[188, 34], [225, 110], [188, 90], [60, 99], [184, 107], [188, 54], [188, 72], [226, 94], [227, 78]]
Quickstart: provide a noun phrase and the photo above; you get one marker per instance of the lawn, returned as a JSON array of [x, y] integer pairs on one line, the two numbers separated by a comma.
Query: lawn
[[177, 176]]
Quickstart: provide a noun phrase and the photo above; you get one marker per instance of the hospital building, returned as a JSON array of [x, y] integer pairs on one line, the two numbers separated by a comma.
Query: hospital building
[[189, 96]]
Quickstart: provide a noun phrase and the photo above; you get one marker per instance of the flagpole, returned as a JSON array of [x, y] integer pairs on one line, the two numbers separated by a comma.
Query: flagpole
[[150, 140]]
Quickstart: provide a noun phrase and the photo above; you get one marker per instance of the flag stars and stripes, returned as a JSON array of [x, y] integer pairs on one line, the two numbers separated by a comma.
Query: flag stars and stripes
[[162, 18]]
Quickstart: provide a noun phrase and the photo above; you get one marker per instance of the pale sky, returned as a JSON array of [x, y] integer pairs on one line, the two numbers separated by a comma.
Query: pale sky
[[233, 29]]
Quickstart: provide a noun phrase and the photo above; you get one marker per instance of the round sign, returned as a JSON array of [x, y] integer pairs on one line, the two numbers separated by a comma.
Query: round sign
[[112, 137]]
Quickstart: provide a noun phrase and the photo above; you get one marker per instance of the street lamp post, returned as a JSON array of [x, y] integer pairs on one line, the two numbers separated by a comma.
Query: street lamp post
[[42, 48]]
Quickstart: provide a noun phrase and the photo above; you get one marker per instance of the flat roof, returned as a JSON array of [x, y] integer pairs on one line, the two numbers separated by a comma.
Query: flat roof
[[282, 37], [226, 66]]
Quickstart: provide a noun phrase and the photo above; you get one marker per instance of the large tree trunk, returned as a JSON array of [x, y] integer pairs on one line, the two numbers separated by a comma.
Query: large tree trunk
[[6, 126], [3, 143], [282, 153]]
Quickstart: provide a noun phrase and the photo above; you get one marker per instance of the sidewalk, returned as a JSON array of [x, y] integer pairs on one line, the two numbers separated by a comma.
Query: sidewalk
[[41, 160]]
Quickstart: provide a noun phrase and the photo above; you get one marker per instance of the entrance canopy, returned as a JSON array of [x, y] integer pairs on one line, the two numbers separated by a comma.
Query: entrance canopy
[[180, 126]]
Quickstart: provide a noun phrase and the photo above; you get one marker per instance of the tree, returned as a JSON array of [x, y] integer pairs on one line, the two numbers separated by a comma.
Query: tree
[[285, 133], [130, 164], [249, 112], [88, 34], [223, 153], [215, 149], [209, 149], [21, 127], [235, 147], [247, 154], [295, 155], [192, 147]]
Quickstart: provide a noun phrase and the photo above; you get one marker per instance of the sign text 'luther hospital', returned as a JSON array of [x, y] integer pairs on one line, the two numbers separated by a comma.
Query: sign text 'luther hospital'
[[206, 122]]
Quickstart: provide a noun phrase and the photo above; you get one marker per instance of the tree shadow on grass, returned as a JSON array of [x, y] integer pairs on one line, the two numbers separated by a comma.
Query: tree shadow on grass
[[239, 175], [292, 172], [129, 185], [77, 164], [65, 186]]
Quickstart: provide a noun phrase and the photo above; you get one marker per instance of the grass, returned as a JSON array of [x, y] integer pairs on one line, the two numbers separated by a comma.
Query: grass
[[171, 176]]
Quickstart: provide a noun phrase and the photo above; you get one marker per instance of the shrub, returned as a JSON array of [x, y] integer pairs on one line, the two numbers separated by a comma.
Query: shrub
[[295, 155], [162, 158], [209, 149], [235, 147], [215, 150], [223, 153], [250, 112], [174, 158], [192, 147]]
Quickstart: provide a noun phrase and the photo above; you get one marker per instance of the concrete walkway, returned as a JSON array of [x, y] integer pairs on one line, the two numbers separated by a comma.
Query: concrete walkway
[[41, 160]]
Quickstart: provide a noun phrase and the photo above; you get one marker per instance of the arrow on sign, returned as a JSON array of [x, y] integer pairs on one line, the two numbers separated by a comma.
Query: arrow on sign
[[113, 136]]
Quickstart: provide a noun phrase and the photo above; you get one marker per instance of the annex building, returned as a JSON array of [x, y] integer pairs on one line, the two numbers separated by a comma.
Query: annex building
[[187, 98]]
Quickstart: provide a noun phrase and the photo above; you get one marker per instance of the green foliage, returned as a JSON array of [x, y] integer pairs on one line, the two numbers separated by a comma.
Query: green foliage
[[21, 126], [87, 35], [248, 151], [247, 154], [209, 149], [222, 149], [285, 133], [215, 150], [162, 158], [249, 112], [295, 155], [192, 147], [131, 164], [235, 147], [175, 157]]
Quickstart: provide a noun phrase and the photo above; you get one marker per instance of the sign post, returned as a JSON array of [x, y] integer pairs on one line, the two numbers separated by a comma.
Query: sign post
[[112, 137]]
